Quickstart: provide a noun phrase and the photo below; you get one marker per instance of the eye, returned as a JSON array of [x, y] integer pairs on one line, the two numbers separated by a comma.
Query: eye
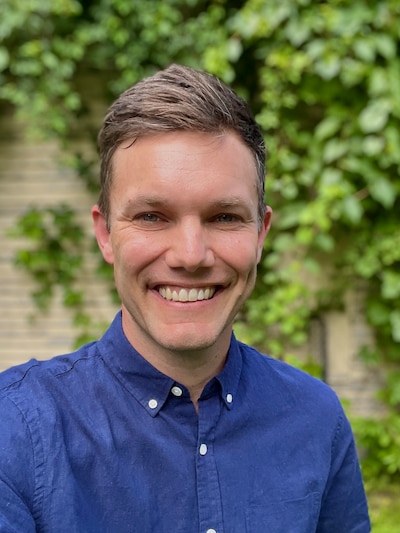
[[227, 218], [149, 220], [148, 217]]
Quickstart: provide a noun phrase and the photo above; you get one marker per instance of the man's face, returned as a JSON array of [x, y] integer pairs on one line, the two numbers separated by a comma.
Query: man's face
[[184, 238]]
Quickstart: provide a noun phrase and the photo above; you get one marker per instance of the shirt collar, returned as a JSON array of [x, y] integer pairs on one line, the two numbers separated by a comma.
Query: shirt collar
[[229, 377], [150, 387]]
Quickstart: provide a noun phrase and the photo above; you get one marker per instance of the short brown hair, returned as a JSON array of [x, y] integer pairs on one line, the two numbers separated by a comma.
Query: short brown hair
[[178, 98]]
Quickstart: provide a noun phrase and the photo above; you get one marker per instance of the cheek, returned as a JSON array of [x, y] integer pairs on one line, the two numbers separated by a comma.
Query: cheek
[[242, 256], [134, 251]]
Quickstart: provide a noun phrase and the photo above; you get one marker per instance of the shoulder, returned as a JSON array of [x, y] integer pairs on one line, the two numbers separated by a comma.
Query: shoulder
[[33, 398], [292, 386], [35, 375], [31, 379]]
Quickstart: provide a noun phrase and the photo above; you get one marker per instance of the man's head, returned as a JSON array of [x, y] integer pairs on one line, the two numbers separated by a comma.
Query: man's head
[[181, 215], [177, 99]]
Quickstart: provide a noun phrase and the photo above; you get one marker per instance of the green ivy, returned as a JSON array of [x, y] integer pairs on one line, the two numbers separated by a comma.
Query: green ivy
[[381, 438], [323, 79], [56, 257], [55, 260]]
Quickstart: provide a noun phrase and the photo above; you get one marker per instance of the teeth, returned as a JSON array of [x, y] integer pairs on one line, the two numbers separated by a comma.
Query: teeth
[[184, 295], [192, 295]]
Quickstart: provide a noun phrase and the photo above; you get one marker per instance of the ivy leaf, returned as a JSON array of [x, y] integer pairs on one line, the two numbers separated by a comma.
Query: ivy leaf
[[334, 149], [373, 145], [327, 127], [297, 32], [379, 81], [383, 191], [391, 285], [374, 117], [352, 209], [289, 215], [386, 46], [377, 313], [4, 58], [283, 242], [328, 67], [395, 323], [365, 50], [324, 242]]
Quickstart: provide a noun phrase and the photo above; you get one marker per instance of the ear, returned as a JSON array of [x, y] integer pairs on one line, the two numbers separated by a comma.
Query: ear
[[102, 234], [263, 232]]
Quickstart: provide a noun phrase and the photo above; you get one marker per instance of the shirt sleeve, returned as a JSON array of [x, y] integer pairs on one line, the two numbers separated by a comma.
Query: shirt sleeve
[[17, 483], [344, 506]]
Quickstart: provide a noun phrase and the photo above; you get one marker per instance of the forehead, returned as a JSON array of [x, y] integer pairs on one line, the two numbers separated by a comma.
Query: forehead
[[185, 171], [191, 153]]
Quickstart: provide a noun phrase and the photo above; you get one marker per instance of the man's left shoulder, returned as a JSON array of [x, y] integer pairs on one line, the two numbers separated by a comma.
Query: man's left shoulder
[[286, 380]]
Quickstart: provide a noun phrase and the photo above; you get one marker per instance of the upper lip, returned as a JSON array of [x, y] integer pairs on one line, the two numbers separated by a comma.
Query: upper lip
[[183, 285]]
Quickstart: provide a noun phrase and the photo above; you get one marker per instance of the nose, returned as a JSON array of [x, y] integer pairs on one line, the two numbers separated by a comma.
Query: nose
[[190, 247]]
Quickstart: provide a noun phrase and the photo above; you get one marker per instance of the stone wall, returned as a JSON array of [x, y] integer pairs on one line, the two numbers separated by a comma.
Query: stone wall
[[346, 333], [31, 174]]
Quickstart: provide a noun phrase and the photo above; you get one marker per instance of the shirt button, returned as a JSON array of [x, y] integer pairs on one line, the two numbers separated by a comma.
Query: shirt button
[[152, 403], [229, 398], [203, 449], [211, 531], [176, 391]]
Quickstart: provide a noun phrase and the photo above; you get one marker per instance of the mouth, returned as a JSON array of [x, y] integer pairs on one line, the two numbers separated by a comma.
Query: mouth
[[187, 295]]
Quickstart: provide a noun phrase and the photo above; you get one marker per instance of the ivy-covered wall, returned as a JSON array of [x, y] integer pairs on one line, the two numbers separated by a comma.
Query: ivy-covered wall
[[33, 174]]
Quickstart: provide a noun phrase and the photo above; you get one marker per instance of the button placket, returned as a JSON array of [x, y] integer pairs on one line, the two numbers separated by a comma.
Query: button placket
[[203, 449], [208, 489]]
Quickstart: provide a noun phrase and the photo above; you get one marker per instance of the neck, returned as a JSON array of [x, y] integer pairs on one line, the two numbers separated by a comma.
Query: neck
[[193, 368]]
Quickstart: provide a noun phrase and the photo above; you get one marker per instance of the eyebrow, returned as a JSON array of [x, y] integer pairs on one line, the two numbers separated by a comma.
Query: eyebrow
[[153, 201], [231, 201], [157, 201]]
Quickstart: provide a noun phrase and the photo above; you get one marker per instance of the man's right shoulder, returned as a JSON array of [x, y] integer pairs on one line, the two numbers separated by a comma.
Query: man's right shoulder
[[35, 371]]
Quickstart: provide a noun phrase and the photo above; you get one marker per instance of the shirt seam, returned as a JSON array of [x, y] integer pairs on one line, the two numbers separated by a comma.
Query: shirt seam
[[13, 384], [339, 428], [72, 364], [37, 500]]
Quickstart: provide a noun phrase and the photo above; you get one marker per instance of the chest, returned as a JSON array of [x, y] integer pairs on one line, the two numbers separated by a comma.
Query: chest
[[220, 471]]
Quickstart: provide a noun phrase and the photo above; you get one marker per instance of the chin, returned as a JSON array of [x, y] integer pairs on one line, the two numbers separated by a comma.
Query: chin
[[191, 345], [189, 342]]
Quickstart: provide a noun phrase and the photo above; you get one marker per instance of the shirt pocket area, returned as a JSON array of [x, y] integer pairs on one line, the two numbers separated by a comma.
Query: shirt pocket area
[[298, 515]]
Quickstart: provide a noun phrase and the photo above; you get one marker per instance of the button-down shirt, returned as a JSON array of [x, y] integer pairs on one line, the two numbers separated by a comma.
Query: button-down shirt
[[99, 441]]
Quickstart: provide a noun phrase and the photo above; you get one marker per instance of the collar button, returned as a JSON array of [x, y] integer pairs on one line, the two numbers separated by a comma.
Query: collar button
[[152, 403], [176, 391]]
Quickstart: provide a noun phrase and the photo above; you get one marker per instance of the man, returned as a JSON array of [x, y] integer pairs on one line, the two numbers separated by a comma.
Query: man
[[168, 423]]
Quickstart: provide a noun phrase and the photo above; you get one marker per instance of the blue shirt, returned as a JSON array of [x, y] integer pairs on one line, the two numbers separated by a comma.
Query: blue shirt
[[99, 441]]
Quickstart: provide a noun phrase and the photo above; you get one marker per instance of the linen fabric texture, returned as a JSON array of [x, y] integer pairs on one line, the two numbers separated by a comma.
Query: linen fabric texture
[[99, 441]]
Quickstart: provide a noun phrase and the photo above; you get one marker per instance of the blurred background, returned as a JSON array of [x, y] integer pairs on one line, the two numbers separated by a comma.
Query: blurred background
[[323, 80]]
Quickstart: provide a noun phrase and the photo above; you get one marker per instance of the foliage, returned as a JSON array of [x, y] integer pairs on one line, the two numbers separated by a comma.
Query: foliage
[[324, 81], [381, 438], [55, 261], [384, 508], [57, 258], [38, 60]]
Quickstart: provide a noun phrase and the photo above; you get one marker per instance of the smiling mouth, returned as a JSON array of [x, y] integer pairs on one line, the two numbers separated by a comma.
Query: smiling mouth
[[187, 295]]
